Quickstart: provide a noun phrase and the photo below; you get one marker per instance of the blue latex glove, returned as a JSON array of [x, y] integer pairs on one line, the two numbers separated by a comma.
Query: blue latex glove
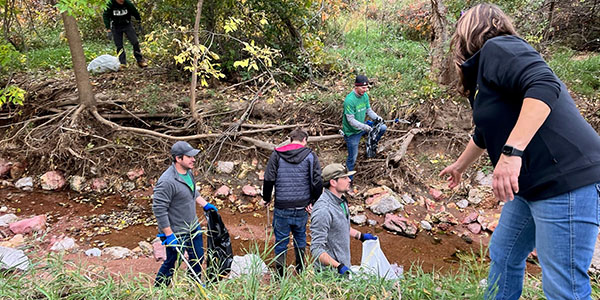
[[369, 122], [343, 270], [396, 120], [170, 240], [209, 206], [367, 236]]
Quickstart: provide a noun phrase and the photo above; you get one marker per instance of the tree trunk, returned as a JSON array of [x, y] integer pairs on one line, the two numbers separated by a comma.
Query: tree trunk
[[82, 77], [439, 68], [195, 74]]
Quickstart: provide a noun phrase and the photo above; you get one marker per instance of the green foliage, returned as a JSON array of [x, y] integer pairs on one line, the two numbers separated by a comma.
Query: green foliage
[[580, 72], [59, 57], [151, 97], [414, 21], [10, 59], [79, 8], [12, 95]]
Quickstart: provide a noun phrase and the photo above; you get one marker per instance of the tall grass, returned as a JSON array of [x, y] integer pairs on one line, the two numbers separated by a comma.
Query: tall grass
[[580, 72]]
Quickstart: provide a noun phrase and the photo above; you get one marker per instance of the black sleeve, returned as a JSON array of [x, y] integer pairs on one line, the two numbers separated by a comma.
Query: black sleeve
[[270, 176], [515, 66], [478, 138], [316, 186], [268, 190]]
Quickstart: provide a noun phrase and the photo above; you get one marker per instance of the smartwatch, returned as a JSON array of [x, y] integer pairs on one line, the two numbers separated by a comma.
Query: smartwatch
[[511, 151]]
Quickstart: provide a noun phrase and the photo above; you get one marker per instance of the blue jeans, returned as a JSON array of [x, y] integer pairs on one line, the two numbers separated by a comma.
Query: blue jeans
[[194, 246], [286, 221], [563, 229], [352, 145]]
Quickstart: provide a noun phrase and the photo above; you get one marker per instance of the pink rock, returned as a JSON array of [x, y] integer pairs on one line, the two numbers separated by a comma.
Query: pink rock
[[53, 180], [474, 228], [135, 173], [400, 225], [223, 191], [249, 190], [470, 218], [36, 223], [99, 184], [159, 251], [436, 194], [4, 167]]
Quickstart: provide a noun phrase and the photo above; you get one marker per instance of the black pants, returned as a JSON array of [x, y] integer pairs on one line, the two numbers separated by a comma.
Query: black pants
[[127, 29]]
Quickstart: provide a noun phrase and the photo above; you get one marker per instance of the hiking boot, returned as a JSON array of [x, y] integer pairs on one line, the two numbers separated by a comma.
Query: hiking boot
[[142, 63]]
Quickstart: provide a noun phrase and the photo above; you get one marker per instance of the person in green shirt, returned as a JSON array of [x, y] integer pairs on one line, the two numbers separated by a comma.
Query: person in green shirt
[[356, 108]]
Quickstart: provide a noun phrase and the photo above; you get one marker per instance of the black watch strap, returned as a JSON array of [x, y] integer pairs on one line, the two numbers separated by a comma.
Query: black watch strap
[[511, 151]]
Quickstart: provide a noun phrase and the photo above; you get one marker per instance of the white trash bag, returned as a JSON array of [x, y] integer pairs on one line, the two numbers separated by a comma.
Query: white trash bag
[[247, 264], [374, 262], [104, 63]]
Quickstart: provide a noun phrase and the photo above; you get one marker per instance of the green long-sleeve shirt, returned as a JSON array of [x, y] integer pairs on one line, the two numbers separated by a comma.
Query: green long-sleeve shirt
[[119, 14]]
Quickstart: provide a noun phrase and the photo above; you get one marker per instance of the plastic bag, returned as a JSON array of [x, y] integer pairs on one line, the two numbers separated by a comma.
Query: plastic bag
[[247, 264], [104, 63], [373, 261]]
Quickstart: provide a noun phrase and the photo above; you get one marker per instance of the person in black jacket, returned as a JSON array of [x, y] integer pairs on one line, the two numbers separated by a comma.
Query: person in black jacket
[[546, 158], [295, 172], [117, 20]]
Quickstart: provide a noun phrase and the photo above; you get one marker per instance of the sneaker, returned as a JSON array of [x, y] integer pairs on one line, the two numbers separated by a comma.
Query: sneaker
[[142, 63]]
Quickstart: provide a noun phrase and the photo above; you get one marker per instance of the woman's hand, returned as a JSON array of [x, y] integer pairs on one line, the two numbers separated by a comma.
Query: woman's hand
[[506, 177], [455, 172]]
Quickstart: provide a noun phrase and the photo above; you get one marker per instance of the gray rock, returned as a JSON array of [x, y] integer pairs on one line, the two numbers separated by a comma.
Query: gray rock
[[462, 203], [7, 219], [117, 252], [475, 196], [371, 222], [425, 225], [77, 183], [359, 219], [146, 248], [65, 244], [13, 258], [407, 199], [25, 183], [484, 179], [225, 167], [388, 203], [93, 252]]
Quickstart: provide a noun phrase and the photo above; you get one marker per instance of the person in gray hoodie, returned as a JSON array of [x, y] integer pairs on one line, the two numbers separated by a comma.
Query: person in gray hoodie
[[330, 229], [295, 173], [174, 206]]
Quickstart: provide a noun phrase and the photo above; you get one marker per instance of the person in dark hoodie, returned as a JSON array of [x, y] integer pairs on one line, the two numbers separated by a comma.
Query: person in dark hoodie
[[546, 158], [117, 20], [295, 173]]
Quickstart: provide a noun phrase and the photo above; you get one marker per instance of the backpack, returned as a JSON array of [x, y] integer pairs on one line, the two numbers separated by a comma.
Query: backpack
[[219, 254]]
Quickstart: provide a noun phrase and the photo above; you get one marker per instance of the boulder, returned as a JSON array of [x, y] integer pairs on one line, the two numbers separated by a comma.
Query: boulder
[[223, 191], [225, 167], [474, 228], [52, 181], [15, 242], [135, 173], [77, 183], [99, 185], [117, 252], [400, 225], [25, 183], [12, 258], [65, 244], [359, 219], [5, 220], [36, 223], [385, 204], [249, 190], [93, 252], [160, 253]]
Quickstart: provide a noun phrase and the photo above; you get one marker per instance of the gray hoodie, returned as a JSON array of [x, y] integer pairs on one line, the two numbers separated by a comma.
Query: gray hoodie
[[174, 203], [330, 229]]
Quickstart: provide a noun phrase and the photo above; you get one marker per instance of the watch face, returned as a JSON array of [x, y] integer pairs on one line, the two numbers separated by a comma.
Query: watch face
[[507, 150]]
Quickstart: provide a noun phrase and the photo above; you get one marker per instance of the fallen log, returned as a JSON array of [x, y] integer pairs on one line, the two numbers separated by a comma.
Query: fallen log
[[398, 155]]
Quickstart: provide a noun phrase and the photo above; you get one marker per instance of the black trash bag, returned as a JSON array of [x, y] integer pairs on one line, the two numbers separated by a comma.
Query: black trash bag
[[372, 139], [219, 254]]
